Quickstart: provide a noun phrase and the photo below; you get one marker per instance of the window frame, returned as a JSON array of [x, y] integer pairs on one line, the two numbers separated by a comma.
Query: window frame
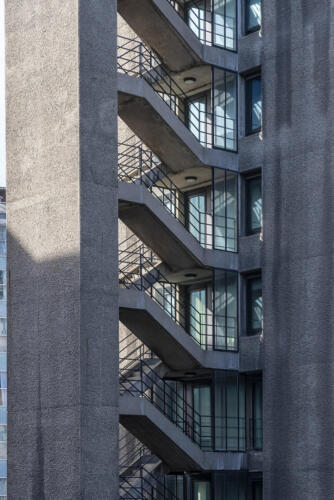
[[248, 107], [248, 230], [248, 31], [250, 332]]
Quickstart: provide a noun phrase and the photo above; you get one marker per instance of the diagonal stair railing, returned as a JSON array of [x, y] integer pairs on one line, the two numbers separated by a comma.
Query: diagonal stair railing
[[138, 165], [217, 129], [209, 331]]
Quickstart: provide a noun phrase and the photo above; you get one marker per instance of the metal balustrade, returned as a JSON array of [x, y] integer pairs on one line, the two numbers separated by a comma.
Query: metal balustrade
[[209, 27], [209, 331], [209, 432], [138, 165], [216, 129], [145, 486]]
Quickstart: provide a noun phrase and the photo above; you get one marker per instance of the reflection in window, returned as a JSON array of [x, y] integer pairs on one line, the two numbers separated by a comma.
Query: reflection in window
[[202, 490], [196, 19], [225, 210], [197, 216], [254, 205], [198, 118], [197, 316], [253, 15], [224, 23], [225, 310], [224, 109], [254, 305], [253, 104]]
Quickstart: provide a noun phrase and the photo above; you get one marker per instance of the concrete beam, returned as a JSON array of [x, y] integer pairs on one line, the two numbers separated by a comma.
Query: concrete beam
[[62, 249]]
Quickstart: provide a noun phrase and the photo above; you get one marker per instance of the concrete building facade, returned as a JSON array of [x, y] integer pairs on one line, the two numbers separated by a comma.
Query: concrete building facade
[[146, 358]]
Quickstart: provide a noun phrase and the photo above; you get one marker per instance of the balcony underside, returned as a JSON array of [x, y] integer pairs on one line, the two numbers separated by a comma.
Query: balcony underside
[[168, 340], [146, 217], [168, 442], [150, 118], [161, 27]]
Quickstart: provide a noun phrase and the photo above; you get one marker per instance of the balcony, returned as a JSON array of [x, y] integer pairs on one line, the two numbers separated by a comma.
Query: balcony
[[208, 217], [203, 104], [185, 34], [181, 312]]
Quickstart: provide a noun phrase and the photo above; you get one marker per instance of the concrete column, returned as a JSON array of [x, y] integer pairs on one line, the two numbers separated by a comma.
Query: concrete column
[[62, 249], [298, 270]]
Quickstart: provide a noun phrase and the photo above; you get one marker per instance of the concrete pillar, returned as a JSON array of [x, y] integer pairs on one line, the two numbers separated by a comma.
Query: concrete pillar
[[62, 249], [298, 268]]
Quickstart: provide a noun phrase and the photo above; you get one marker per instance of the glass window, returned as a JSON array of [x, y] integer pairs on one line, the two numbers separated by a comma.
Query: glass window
[[3, 326], [254, 305], [197, 118], [253, 15], [257, 415], [3, 468], [253, 205], [225, 310], [224, 109], [3, 488], [224, 23], [3, 416], [225, 210], [230, 486], [196, 216], [202, 416], [229, 412], [196, 18], [257, 491], [202, 490], [253, 104], [197, 316], [174, 489]]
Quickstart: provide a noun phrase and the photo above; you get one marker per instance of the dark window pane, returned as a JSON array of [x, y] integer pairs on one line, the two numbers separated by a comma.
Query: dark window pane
[[254, 205], [253, 104], [257, 491], [254, 302], [253, 15]]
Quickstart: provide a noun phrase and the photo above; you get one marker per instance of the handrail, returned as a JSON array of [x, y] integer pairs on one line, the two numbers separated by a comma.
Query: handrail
[[165, 398], [138, 167], [209, 331], [145, 483], [210, 129]]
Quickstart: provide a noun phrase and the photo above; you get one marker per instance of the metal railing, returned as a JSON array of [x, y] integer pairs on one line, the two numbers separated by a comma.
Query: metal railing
[[209, 432], [145, 486], [134, 58], [138, 165], [209, 331]]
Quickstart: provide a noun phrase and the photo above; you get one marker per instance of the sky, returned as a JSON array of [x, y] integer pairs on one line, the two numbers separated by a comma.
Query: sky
[[2, 98]]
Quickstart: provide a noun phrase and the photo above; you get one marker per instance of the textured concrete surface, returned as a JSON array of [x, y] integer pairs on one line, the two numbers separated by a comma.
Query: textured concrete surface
[[298, 270], [62, 248]]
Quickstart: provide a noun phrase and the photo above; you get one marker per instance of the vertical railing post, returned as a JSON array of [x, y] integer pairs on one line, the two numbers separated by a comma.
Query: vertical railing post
[[140, 59], [141, 164]]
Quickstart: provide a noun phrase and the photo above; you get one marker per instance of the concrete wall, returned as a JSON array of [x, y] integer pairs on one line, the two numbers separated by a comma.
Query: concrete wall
[[62, 249], [298, 268]]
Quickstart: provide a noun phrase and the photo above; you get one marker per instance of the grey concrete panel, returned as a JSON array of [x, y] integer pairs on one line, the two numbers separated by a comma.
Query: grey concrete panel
[[154, 122], [162, 28], [251, 153], [146, 216], [62, 249], [298, 250], [251, 353], [250, 51], [250, 253]]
